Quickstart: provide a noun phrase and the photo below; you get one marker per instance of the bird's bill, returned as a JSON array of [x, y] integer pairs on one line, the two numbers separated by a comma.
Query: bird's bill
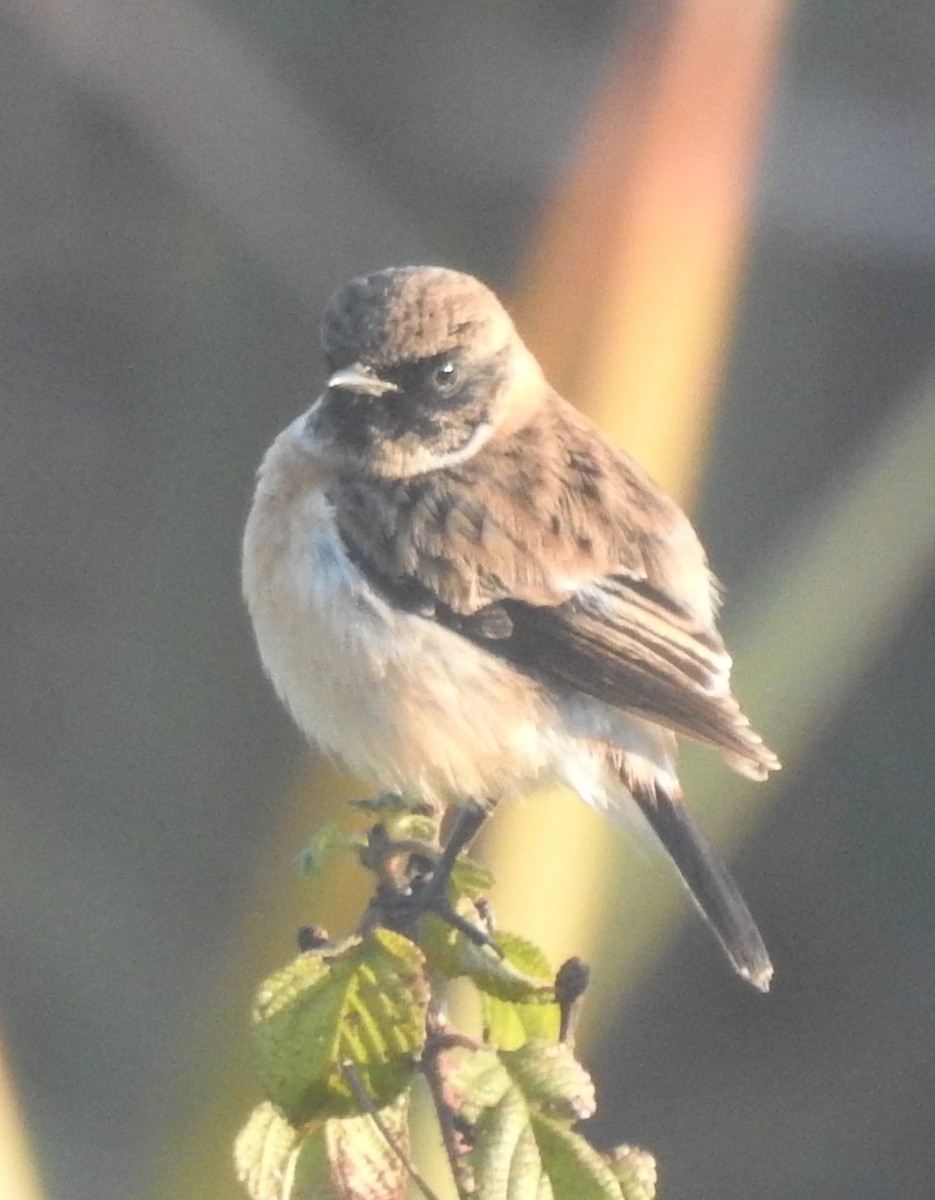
[[361, 379]]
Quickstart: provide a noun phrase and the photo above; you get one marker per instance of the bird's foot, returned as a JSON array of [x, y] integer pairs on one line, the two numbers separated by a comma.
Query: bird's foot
[[421, 887]]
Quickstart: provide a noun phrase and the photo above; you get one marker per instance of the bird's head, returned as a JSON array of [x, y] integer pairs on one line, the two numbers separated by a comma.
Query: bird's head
[[424, 367]]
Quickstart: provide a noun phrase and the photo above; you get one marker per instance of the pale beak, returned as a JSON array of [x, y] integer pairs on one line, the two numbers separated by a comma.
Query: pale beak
[[361, 379]]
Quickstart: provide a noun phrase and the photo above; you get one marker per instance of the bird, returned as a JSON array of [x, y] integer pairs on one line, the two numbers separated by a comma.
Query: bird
[[461, 588]]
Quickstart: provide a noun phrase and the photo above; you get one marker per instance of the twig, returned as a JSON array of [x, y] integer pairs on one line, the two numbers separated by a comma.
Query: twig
[[401, 897], [349, 1071], [455, 1041], [436, 1043]]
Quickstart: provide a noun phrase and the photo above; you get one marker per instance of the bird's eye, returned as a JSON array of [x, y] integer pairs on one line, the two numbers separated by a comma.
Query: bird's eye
[[445, 375]]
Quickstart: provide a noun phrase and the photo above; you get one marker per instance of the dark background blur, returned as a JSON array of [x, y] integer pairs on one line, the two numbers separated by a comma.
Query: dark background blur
[[183, 184]]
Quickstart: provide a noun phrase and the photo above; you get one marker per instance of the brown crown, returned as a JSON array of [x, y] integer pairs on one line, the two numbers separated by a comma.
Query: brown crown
[[407, 313]]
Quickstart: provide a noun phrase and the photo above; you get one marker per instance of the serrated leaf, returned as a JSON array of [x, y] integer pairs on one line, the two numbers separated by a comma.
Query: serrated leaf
[[470, 878], [263, 1152], [338, 1159], [509, 1026], [498, 970], [575, 1169], [522, 1105], [324, 842], [505, 1158], [447, 949], [511, 1022], [350, 1159], [362, 1002], [635, 1171], [522, 975], [552, 1080], [481, 1080]]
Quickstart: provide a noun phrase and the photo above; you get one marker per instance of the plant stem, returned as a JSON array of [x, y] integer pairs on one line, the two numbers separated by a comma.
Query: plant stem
[[349, 1071], [437, 1040]]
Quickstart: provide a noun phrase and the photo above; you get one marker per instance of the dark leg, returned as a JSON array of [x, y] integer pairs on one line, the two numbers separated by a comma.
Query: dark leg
[[471, 816], [427, 892]]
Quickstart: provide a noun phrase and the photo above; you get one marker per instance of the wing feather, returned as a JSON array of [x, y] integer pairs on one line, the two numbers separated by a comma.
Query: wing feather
[[566, 560]]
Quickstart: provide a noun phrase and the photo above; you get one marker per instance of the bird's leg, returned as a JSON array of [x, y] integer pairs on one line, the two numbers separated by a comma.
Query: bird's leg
[[470, 817], [431, 891], [427, 892]]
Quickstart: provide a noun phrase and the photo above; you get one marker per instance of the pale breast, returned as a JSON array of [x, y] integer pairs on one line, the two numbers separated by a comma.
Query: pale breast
[[400, 699]]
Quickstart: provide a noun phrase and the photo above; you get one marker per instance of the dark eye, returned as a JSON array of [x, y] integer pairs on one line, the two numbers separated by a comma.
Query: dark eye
[[445, 376]]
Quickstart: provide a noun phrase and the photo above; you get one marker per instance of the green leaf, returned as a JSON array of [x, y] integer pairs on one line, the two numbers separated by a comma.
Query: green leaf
[[402, 816], [263, 1152], [552, 1080], [325, 841], [510, 1025], [635, 1171], [362, 1002], [575, 1169], [350, 1159], [416, 827], [447, 950], [498, 970], [505, 1159], [481, 1080], [470, 878], [522, 1105], [526, 963], [338, 1159], [512, 1020]]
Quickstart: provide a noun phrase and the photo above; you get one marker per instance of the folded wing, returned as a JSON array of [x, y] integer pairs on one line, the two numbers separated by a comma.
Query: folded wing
[[623, 642], [556, 552]]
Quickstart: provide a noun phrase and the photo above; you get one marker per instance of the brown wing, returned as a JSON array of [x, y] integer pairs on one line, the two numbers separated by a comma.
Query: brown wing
[[622, 643], [554, 551]]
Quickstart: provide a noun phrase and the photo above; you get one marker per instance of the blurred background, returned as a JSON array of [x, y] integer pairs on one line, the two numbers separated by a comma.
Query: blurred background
[[717, 228]]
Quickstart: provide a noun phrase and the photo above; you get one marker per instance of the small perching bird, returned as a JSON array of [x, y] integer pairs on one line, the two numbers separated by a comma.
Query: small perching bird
[[460, 587]]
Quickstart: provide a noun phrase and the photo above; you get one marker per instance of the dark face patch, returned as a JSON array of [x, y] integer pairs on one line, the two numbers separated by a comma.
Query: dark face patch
[[439, 403]]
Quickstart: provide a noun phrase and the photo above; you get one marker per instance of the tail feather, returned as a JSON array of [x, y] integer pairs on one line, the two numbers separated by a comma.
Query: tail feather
[[709, 883]]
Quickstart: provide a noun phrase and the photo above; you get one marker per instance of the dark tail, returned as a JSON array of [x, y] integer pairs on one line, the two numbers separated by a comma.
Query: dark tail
[[710, 885]]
